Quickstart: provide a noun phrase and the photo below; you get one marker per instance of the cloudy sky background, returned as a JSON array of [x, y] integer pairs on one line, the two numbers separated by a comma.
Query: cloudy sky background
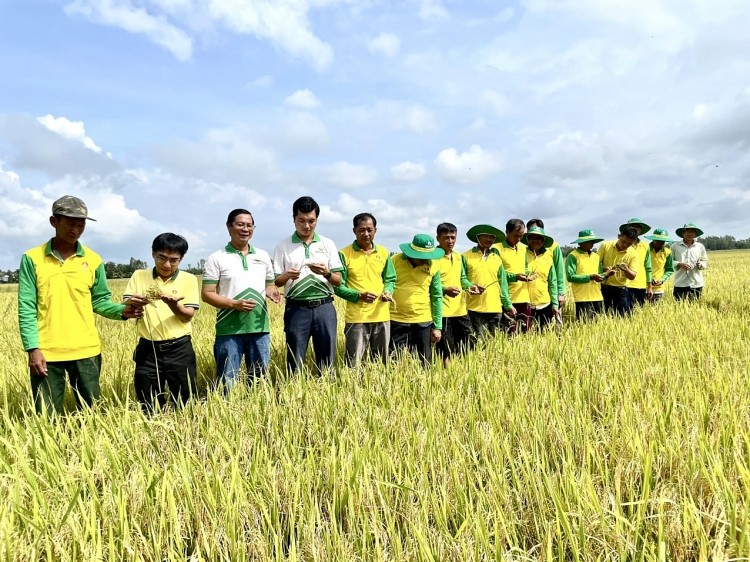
[[163, 115]]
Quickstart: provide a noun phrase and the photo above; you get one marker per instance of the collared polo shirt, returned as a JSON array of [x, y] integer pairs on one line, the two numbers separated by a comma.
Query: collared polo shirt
[[366, 272], [453, 274], [514, 261], [580, 266], [682, 253], [611, 257], [239, 276], [543, 289], [57, 300], [294, 253], [643, 276], [487, 271], [159, 323], [418, 293], [662, 266]]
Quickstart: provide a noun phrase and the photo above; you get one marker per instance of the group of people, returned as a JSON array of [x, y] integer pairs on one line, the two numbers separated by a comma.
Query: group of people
[[426, 296]]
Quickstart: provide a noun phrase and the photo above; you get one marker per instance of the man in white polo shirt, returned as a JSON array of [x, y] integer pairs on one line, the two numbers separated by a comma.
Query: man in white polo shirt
[[237, 280], [307, 265]]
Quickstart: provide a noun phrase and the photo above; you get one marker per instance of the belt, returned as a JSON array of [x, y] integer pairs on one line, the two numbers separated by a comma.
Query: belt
[[166, 344], [314, 303]]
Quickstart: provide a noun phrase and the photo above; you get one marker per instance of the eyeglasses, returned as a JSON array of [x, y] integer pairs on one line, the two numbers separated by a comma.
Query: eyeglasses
[[243, 225], [164, 259]]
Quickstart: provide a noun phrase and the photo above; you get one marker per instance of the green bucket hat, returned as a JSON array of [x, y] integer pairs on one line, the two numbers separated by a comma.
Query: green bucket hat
[[478, 229], [633, 222], [660, 235], [681, 231], [422, 247], [548, 241], [586, 236]]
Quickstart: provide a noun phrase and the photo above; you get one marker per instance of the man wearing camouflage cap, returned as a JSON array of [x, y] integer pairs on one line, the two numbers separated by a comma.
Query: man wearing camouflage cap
[[61, 284]]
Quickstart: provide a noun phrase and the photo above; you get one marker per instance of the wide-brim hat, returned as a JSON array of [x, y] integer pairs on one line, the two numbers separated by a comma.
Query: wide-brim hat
[[660, 235], [586, 236], [422, 247], [70, 206], [478, 229], [539, 231], [633, 222], [681, 231]]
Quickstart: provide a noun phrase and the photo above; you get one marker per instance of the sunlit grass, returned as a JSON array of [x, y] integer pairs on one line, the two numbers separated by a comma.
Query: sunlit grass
[[616, 439]]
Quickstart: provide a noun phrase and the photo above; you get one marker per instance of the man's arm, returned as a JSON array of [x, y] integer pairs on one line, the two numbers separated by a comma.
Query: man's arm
[[668, 268], [389, 276], [436, 300], [502, 285], [552, 286], [101, 298], [649, 269], [572, 270], [27, 304], [559, 264]]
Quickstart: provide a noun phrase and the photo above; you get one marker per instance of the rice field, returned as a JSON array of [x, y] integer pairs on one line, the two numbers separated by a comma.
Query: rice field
[[620, 439]]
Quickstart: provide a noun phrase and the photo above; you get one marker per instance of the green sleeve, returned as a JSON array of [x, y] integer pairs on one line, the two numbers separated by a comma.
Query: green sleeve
[[571, 270], [649, 269], [465, 283], [502, 282], [559, 263], [668, 268], [436, 300], [27, 301], [346, 293], [552, 285], [101, 297], [510, 277], [389, 276]]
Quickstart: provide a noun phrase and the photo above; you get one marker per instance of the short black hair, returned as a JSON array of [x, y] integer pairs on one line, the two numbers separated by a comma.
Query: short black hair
[[233, 215], [535, 222], [170, 242], [305, 204], [360, 218], [446, 227], [513, 224], [629, 232]]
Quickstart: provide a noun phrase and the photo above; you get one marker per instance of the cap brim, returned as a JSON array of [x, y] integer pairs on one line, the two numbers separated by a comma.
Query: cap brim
[[475, 231], [584, 240], [410, 252]]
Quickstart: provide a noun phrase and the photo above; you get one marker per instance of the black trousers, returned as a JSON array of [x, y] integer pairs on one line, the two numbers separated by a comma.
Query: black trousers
[[686, 293], [414, 337], [617, 300], [638, 296], [458, 336], [164, 364], [588, 309]]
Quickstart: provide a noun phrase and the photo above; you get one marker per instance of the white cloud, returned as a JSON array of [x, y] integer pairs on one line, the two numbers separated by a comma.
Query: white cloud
[[68, 129], [302, 99], [408, 171], [431, 9], [472, 166], [387, 44], [397, 115], [299, 130], [349, 176], [120, 13], [264, 81]]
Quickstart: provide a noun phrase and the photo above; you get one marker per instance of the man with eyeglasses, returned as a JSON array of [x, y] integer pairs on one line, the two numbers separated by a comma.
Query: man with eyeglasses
[[237, 280], [164, 356], [61, 284], [308, 266]]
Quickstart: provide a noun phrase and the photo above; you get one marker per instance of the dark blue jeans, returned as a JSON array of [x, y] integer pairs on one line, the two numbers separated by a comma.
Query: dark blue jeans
[[229, 350], [301, 324], [617, 300]]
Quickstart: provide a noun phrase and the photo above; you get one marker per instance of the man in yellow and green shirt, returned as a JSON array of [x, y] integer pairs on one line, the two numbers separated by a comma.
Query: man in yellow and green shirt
[[661, 263], [638, 287], [489, 301], [417, 315], [620, 263], [585, 273], [367, 283], [61, 284], [542, 277], [559, 262], [513, 253], [457, 335]]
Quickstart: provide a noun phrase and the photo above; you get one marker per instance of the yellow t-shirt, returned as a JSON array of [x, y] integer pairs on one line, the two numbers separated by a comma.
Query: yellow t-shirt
[[514, 261], [611, 257], [451, 270], [539, 289], [413, 292], [486, 271], [658, 266], [159, 323], [641, 250], [364, 274], [579, 266]]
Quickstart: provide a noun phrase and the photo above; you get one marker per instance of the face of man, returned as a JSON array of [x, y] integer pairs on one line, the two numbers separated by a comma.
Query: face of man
[[419, 263], [447, 241], [166, 262], [623, 242], [365, 233], [535, 242], [587, 246], [688, 234], [485, 241], [68, 229], [305, 223], [514, 237], [657, 244], [638, 228], [241, 230]]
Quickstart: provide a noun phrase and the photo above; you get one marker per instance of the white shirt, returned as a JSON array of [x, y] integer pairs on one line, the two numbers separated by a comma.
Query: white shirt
[[692, 255]]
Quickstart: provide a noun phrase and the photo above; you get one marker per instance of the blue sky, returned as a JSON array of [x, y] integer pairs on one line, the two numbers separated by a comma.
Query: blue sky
[[164, 115]]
